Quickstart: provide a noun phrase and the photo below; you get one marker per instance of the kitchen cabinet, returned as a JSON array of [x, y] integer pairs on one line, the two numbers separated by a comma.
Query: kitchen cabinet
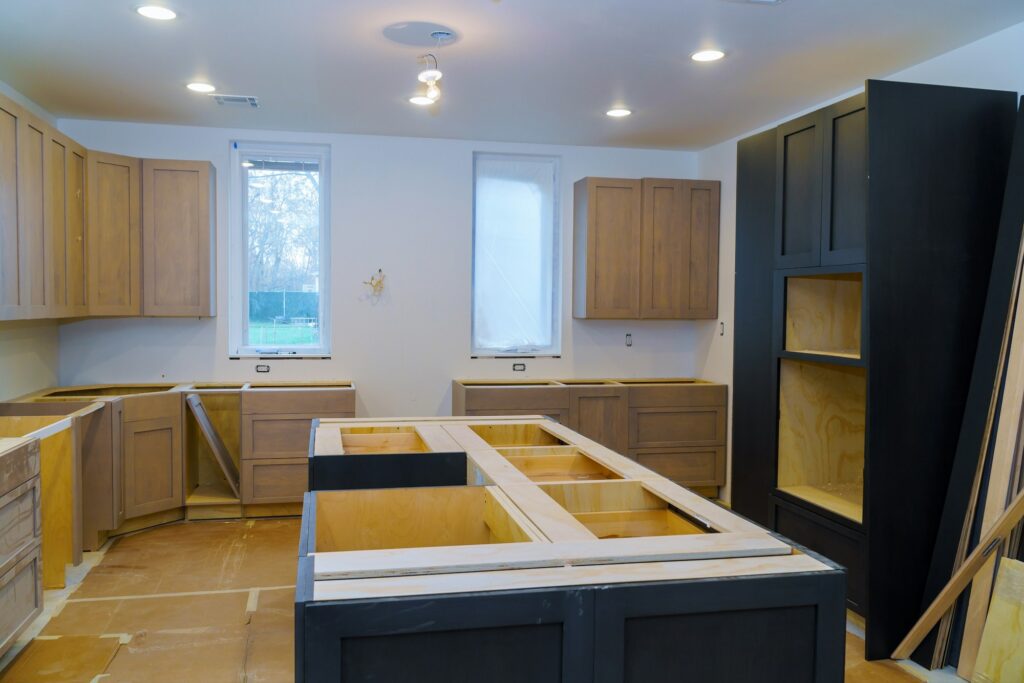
[[151, 448], [821, 187], [674, 426], [21, 577], [178, 231], [843, 282], [601, 413], [114, 235], [645, 249], [32, 229], [65, 225], [10, 278]]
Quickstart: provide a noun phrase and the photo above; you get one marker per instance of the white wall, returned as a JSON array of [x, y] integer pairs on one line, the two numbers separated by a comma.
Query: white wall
[[28, 357], [996, 61], [404, 205]]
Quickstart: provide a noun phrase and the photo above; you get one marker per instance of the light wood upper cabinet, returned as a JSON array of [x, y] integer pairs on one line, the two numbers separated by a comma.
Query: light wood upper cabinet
[[33, 235], [177, 238], [646, 249], [606, 254], [10, 272], [65, 225], [114, 235]]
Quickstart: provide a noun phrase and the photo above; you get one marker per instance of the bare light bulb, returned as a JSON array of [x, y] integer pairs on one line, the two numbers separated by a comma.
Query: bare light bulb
[[433, 92]]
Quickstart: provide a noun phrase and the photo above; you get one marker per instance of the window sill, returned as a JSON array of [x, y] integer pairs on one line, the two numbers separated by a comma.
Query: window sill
[[279, 356]]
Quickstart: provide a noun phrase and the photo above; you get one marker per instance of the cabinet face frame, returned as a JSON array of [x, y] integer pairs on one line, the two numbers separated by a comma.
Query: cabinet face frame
[[812, 256], [166, 220], [839, 110], [127, 236]]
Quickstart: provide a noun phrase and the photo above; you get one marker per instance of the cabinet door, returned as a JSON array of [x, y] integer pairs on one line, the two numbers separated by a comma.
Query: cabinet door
[[701, 200], [177, 238], [844, 200], [32, 229], [152, 465], [601, 414], [798, 192], [57, 220], [663, 264], [113, 235], [608, 225], [10, 273]]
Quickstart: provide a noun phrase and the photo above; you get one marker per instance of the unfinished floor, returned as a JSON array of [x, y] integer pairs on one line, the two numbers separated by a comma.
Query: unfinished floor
[[205, 601]]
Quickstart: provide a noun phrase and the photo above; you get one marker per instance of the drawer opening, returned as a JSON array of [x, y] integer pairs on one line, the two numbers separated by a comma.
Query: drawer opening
[[499, 435], [377, 519], [217, 385], [366, 440], [561, 467], [307, 385], [588, 382], [622, 509], [113, 390]]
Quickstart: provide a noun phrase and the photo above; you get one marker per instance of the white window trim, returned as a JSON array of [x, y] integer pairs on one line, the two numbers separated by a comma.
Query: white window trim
[[238, 263], [555, 350]]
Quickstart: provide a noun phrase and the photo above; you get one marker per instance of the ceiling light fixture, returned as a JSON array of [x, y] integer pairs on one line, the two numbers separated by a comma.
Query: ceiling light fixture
[[430, 76], [707, 55], [618, 112], [421, 100], [156, 12], [200, 87]]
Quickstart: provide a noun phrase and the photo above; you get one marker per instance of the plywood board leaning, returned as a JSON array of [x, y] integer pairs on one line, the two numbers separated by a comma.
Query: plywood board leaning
[[1000, 656]]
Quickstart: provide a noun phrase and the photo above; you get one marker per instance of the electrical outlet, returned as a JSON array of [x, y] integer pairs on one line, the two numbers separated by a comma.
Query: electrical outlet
[[629, 339], [262, 367], [519, 367]]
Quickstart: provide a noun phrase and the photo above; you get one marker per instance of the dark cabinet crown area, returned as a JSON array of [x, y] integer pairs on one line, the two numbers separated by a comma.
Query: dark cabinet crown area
[[865, 235]]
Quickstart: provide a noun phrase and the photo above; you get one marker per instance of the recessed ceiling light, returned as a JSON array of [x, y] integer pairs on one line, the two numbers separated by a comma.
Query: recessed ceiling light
[[156, 12], [618, 112], [200, 87], [421, 100], [707, 55]]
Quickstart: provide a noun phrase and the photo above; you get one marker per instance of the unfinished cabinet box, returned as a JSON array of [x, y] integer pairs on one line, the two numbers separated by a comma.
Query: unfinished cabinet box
[[114, 235], [213, 444], [151, 446], [824, 314], [276, 422], [645, 249], [178, 238]]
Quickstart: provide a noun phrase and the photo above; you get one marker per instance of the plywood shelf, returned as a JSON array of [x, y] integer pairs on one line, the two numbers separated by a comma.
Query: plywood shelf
[[215, 493], [843, 499], [823, 314]]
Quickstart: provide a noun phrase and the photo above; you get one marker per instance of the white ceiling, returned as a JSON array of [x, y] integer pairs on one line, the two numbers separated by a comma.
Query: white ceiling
[[522, 70]]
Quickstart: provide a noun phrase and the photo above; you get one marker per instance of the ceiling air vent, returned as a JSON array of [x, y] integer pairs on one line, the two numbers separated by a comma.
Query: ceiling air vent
[[236, 100]]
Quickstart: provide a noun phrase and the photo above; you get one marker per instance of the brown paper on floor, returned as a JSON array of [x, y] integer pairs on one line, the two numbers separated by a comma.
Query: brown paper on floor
[[213, 655], [270, 653], [134, 615], [1001, 655], [69, 659], [181, 558]]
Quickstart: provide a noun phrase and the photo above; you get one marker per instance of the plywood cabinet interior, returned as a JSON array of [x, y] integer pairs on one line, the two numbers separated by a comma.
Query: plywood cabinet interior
[[645, 249], [177, 238], [114, 235]]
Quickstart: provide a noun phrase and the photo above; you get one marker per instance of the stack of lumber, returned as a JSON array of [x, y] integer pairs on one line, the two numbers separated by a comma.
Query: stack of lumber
[[985, 501]]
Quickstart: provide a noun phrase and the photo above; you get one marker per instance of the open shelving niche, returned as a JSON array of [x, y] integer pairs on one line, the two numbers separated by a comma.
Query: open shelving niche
[[823, 314], [207, 478], [822, 411]]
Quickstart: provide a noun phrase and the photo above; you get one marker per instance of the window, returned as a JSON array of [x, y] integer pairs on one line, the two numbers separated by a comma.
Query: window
[[515, 256], [281, 284]]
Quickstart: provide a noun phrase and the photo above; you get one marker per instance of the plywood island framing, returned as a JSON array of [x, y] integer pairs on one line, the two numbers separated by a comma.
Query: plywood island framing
[[529, 552]]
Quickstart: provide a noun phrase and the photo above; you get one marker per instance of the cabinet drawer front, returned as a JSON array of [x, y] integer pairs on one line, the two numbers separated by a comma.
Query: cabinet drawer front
[[281, 480], [677, 395], [316, 402], [278, 436], [665, 427], [18, 466], [21, 594], [686, 466], [539, 399], [19, 522]]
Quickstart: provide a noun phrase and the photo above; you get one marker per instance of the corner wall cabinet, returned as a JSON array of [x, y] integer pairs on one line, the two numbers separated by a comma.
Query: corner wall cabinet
[[862, 265], [86, 233], [675, 427], [645, 249]]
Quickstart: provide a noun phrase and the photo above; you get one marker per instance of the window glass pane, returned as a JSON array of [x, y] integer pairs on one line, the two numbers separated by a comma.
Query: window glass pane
[[515, 260], [282, 207]]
